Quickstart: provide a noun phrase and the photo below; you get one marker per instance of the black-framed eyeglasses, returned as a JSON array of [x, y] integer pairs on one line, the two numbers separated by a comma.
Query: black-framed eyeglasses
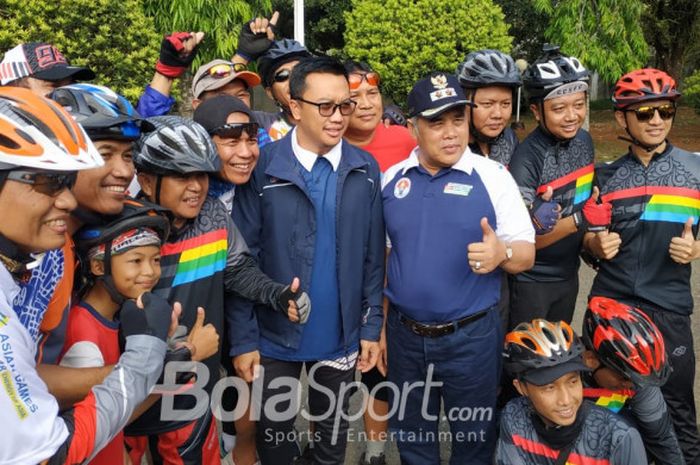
[[46, 182], [235, 130], [282, 76], [646, 113], [346, 107]]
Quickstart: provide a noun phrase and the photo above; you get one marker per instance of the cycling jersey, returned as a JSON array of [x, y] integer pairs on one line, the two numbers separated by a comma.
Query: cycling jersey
[[605, 439], [650, 206], [501, 149], [567, 166], [33, 428], [199, 262], [646, 409]]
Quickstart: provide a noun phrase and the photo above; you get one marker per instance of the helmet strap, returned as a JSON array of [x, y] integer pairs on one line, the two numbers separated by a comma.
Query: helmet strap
[[473, 131], [633, 140], [159, 182], [107, 279]]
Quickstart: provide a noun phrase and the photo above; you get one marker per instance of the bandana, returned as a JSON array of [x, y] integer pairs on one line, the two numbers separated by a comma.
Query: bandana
[[137, 237]]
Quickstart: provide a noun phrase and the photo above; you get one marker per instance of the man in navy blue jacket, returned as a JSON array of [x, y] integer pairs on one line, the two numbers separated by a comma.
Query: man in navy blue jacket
[[313, 209]]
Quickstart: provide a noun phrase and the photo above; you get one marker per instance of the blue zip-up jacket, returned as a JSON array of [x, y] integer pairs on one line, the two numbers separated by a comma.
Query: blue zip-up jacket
[[276, 217]]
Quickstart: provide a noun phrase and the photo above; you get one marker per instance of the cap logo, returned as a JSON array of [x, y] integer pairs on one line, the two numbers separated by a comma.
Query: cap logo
[[439, 81], [48, 55]]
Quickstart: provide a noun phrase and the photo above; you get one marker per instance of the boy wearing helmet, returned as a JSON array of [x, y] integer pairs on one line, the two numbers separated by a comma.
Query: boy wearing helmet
[[489, 78], [626, 352], [204, 256], [554, 170], [551, 422], [645, 254], [35, 202]]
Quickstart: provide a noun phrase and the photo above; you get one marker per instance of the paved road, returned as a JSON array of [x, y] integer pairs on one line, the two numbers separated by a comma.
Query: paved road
[[355, 448]]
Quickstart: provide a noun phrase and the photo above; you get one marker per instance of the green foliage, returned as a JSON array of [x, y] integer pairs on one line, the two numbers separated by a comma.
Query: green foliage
[[404, 40], [221, 21], [115, 39], [324, 23], [527, 26], [691, 91], [606, 35]]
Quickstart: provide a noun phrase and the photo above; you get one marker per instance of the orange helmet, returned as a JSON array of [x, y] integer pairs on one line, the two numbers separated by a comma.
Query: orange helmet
[[36, 132], [643, 85]]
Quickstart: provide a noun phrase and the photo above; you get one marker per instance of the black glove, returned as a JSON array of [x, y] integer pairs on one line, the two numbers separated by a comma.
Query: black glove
[[171, 63], [252, 46], [302, 300], [153, 320], [180, 354]]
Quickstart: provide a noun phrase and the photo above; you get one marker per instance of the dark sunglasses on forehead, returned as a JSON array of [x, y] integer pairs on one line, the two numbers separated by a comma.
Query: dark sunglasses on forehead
[[355, 79], [235, 130], [45, 182], [646, 113], [282, 76], [225, 70]]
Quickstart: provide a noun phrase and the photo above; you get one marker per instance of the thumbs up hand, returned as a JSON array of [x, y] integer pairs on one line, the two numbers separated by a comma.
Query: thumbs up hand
[[684, 249], [485, 256], [545, 213]]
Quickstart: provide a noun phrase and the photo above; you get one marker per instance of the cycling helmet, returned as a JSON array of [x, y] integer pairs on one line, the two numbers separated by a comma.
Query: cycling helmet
[[36, 132], [103, 113], [541, 351], [643, 85], [173, 145], [485, 68], [553, 70], [395, 114], [626, 340], [279, 53], [138, 218]]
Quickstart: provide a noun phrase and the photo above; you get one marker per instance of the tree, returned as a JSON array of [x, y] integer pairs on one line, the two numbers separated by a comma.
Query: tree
[[606, 35], [403, 40], [324, 23], [527, 26], [221, 21], [672, 29], [115, 39]]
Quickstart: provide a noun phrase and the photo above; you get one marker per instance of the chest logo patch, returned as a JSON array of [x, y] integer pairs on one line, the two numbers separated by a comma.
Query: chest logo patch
[[455, 188], [402, 188]]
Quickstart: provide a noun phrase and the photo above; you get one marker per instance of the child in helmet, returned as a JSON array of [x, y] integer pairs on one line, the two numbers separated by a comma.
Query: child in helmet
[[626, 352], [551, 423]]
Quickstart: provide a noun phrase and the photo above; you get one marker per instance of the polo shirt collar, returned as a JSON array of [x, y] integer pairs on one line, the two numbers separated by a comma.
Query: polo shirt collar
[[307, 158], [464, 164]]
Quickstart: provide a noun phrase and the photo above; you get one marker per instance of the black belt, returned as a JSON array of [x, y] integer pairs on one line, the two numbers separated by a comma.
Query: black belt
[[443, 329]]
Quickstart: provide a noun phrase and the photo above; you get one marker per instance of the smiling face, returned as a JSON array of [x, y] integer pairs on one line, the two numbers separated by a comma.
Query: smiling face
[[103, 190], [442, 140], [494, 107], [182, 195], [238, 156], [319, 133], [133, 272], [563, 116], [34, 221], [652, 132], [558, 402]]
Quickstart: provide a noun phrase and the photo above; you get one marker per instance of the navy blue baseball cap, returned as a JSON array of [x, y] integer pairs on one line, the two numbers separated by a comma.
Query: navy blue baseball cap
[[435, 94]]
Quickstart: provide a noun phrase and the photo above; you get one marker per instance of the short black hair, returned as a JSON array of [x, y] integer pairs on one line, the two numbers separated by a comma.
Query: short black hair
[[311, 65], [352, 66]]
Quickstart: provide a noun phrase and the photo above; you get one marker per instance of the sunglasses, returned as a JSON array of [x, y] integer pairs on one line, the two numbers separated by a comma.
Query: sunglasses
[[225, 70], [235, 130], [355, 79], [328, 108], [644, 114], [47, 183], [282, 76]]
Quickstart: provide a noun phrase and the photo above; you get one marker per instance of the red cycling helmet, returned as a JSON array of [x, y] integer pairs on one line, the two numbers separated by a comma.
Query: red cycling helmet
[[643, 85], [626, 340]]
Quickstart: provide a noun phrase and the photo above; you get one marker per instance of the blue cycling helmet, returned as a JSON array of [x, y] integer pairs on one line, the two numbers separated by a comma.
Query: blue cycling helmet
[[102, 112], [280, 52]]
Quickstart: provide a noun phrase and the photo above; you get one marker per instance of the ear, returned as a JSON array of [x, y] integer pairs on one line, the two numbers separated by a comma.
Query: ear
[[97, 267], [195, 103], [295, 109], [147, 183], [520, 387], [620, 118], [413, 127], [535, 109]]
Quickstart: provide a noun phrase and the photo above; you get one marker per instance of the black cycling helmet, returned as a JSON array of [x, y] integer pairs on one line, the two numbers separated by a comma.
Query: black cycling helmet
[[551, 71], [136, 214], [102, 112], [626, 340], [280, 52], [485, 68], [541, 351], [395, 115], [173, 145]]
